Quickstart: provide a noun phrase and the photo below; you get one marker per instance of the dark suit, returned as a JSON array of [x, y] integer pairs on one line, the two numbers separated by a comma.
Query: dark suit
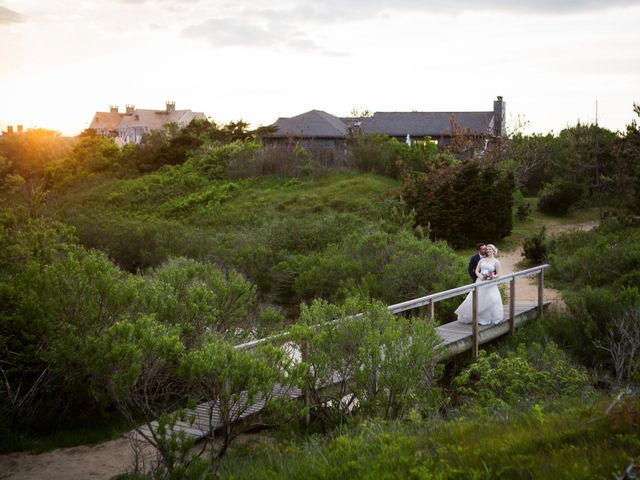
[[473, 263]]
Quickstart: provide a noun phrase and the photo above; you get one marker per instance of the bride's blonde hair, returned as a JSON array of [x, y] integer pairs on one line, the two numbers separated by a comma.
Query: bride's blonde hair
[[495, 249]]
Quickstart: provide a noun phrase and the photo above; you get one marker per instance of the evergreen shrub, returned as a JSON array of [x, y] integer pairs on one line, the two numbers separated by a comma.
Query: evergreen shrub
[[462, 203], [534, 247], [558, 197]]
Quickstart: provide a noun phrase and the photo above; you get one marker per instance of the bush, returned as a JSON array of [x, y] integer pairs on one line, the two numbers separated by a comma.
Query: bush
[[389, 267], [462, 203], [522, 207], [137, 243], [592, 313], [199, 297], [277, 160], [558, 197], [601, 257], [51, 309], [378, 153], [534, 247], [521, 378], [225, 161], [384, 364]]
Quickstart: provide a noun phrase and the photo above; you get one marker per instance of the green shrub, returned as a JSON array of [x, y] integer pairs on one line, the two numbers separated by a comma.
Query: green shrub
[[57, 300], [522, 207], [277, 160], [520, 378], [222, 161], [590, 322], [198, 297], [598, 258], [534, 247], [559, 196], [577, 442], [385, 364], [378, 153], [389, 267], [139, 242], [461, 203], [211, 197]]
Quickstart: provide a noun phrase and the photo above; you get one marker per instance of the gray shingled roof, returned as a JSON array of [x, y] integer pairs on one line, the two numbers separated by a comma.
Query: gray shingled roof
[[313, 124], [426, 124]]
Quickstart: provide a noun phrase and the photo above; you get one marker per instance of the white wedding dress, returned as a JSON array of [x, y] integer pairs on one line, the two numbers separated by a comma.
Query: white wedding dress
[[490, 310]]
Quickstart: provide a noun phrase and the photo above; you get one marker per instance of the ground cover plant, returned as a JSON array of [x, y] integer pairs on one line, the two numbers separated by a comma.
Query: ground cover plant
[[573, 439]]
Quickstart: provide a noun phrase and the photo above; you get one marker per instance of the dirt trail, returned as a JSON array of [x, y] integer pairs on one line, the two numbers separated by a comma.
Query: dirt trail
[[102, 461], [108, 459], [527, 288]]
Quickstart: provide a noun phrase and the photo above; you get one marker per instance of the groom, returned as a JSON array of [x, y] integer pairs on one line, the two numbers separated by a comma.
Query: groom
[[473, 261]]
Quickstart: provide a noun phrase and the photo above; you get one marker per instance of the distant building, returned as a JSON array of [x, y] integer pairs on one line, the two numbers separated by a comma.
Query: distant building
[[317, 130], [10, 131], [130, 126]]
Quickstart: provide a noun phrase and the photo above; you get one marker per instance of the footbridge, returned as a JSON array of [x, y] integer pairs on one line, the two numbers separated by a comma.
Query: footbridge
[[457, 338]]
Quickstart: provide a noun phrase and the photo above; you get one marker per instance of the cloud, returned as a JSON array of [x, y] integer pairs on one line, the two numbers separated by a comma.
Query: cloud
[[9, 16], [232, 32], [244, 32]]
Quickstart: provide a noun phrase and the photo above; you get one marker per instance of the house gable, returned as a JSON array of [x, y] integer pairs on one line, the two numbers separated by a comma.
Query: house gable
[[312, 124]]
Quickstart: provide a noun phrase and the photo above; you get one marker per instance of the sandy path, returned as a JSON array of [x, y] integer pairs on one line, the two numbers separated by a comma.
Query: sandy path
[[106, 460], [102, 461], [527, 288]]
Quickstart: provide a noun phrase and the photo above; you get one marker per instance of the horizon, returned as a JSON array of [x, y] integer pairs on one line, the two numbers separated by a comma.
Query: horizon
[[257, 62]]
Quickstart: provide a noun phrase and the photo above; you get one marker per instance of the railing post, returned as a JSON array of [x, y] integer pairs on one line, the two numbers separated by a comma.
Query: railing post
[[474, 323], [540, 291], [512, 305], [432, 309]]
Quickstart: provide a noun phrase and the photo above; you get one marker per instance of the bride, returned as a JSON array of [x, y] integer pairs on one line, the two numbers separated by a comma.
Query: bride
[[489, 301]]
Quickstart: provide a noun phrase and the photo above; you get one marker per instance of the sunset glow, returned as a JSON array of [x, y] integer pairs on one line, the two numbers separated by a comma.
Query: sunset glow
[[63, 60]]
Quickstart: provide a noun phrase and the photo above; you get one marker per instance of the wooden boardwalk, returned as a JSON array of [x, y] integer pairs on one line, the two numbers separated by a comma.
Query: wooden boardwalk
[[457, 338]]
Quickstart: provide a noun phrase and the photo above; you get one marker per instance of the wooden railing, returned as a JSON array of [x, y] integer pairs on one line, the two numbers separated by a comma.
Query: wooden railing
[[430, 301]]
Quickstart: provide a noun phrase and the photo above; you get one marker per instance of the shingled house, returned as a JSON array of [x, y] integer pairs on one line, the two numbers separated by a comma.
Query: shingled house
[[133, 123], [317, 130]]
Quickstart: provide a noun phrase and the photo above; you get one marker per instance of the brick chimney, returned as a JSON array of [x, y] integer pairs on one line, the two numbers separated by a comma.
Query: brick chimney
[[9, 128], [499, 114], [171, 106], [19, 129], [130, 108], [114, 108]]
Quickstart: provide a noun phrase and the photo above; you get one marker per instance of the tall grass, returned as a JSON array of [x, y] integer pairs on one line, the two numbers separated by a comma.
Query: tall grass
[[575, 441]]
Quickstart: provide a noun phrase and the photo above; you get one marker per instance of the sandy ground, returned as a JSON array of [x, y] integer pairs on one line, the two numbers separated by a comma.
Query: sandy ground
[[108, 459], [527, 288], [102, 461]]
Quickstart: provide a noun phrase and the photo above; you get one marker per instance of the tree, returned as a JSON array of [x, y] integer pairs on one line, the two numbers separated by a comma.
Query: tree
[[462, 202], [30, 152], [92, 154], [628, 164]]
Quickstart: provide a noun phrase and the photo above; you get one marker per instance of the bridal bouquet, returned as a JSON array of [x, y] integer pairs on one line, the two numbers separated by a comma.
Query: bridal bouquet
[[488, 276]]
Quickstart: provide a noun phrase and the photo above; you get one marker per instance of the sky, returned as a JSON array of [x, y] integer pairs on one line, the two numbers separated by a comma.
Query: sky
[[554, 62]]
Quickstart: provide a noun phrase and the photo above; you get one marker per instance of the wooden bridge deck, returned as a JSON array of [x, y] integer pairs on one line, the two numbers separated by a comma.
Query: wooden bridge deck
[[457, 338]]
